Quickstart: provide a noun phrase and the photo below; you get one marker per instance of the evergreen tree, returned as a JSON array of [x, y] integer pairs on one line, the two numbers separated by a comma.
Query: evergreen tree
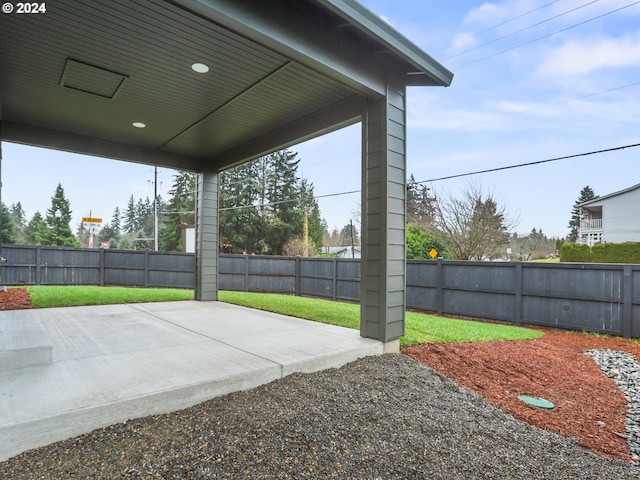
[[420, 205], [284, 218], [241, 197], [586, 194], [110, 234], [58, 216], [349, 234], [19, 219], [33, 230], [263, 205], [116, 220], [130, 218], [7, 230], [179, 210], [420, 243]]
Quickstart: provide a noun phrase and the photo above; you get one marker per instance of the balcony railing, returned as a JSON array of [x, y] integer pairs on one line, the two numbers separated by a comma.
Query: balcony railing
[[594, 224]]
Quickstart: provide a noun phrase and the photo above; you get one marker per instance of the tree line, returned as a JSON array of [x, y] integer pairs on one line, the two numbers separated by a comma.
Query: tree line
[[266, 207]]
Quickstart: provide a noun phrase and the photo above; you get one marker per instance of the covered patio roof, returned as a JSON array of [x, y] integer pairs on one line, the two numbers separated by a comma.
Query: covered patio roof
[[204, 85], [78, 77]]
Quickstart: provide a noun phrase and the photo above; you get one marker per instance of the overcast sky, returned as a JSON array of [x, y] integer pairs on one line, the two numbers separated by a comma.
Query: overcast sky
[[534, 80]]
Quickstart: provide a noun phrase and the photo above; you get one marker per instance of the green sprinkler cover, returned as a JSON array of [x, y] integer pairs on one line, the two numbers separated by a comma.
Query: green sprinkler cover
[[537, 402]]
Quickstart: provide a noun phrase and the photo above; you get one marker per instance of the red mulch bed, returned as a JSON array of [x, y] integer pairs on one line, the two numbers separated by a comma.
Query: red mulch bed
[[15, 299], [588, 405]]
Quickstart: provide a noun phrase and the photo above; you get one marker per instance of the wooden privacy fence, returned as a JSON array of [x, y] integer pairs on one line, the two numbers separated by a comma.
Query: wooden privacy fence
[[29, 265], [591, 297]]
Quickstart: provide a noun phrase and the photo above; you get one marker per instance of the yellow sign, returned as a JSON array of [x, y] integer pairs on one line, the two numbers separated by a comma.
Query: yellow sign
[[91, 220], [433, 253]]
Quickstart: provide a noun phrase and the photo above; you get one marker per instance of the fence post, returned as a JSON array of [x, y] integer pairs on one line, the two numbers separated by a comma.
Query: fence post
[[439, 285], [518, 293], [627, 298], [246, 273], [101, 265], [38, 265], [334, 282], [146, 268], [296, 287]]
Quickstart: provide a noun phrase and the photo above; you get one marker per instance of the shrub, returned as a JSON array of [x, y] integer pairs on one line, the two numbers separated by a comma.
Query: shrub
[[627, 252], [575, 252]]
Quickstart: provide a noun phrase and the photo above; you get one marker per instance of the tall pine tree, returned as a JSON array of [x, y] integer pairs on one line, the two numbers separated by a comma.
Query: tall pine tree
[[57, 230], [179, 211], [586, 194], [263, 205], [7, 229]]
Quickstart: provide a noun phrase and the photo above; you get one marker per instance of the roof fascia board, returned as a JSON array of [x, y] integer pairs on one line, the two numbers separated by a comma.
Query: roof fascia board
[[302, 39], [68, 142], [325, 121], [372, 25]]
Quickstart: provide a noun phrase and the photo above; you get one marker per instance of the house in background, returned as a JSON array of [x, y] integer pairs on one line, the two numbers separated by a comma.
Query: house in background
[[613, 218], [349, 251]]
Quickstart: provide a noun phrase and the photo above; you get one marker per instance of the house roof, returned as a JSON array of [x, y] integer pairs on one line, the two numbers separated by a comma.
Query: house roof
[[79, 76], [605, 197]]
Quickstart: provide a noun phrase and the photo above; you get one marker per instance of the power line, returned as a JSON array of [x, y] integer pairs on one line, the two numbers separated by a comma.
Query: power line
[[522, 29], [499, 24], [489, 170], [538, 162], [547, 35]]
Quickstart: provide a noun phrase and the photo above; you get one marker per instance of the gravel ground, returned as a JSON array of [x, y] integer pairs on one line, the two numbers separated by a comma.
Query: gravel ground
[[377, 418]]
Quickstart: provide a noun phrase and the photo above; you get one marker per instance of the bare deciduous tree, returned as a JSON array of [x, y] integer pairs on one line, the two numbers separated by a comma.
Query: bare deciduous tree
[[474, 225]]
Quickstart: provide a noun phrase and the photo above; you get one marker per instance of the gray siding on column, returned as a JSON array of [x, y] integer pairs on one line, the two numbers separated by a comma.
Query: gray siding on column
[[207, 237], [383, 215]]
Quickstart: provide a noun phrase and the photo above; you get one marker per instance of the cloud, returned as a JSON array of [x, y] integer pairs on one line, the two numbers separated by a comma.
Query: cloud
[[462, 41], [486, 13], [584, 56]]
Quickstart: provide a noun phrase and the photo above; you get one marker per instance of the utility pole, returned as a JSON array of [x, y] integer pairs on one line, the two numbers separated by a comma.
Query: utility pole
[[155, 208], [353, 251], [2, 259], [306, 233]]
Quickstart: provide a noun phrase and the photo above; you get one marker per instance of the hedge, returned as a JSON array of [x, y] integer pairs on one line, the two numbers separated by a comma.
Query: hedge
[[628, 252]]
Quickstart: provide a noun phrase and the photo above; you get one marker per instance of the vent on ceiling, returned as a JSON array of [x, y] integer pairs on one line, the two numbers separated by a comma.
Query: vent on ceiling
[[88, 78]]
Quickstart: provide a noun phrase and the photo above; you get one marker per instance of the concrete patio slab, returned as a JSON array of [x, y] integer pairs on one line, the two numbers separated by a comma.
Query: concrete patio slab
[[112, 363]]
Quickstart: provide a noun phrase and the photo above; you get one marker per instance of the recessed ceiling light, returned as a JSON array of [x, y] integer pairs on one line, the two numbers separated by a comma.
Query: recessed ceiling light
[[139, 124], [200, 67]]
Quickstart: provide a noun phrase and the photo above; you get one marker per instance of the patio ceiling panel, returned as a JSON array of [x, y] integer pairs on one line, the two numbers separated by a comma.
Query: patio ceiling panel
[[78, 76], [258, 109]]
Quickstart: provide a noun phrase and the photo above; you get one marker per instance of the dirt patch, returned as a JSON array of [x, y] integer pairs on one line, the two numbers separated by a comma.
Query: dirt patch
[[15, 299], [588, 405]]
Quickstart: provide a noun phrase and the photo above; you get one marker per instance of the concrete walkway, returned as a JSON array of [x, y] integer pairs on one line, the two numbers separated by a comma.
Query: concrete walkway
[[67, 371]]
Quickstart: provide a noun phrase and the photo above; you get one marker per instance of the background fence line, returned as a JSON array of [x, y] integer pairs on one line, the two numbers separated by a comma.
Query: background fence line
[[601, 298]]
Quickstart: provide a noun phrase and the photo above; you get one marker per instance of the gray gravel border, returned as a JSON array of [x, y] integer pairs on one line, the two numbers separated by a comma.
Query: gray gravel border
[[381, 417]]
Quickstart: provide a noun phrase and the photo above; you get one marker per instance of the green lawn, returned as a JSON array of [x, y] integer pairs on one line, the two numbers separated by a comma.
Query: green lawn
[[420, 328], [54, 296]]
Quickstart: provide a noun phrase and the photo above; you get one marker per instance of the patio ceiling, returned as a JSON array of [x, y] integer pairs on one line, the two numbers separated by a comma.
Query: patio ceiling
[[77, 77]]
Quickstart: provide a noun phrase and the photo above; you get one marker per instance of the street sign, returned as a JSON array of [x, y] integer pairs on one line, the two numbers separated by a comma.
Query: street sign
[[433, 253], [91, 220]]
